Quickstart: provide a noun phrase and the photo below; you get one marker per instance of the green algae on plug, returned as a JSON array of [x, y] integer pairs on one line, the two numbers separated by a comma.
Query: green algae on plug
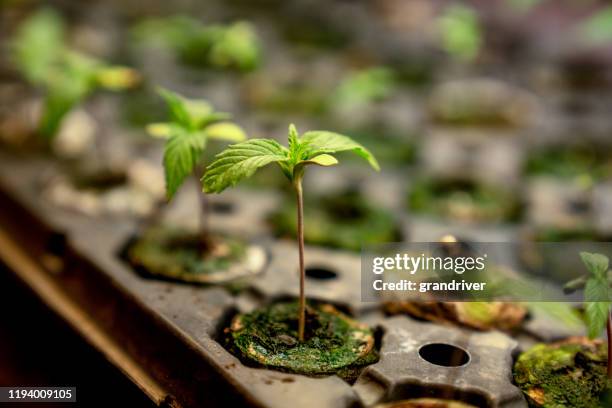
[[174, 253], [571, 373], [333, 344]]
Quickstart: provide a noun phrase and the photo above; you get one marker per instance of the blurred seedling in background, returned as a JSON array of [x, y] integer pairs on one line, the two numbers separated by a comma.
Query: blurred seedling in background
[[192, 123], [596, 285], [597, 29], [64, 76], [241, 160], [364, 87], [225, 46], [460, 32]]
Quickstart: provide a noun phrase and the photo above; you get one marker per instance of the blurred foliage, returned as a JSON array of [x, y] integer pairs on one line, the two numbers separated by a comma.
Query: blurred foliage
[[461, 32], [365, 86], [65, 76], [523, 6], [597, 29], [388, 146], [230, 46], [582, 162], [345, 219], [463, 200]]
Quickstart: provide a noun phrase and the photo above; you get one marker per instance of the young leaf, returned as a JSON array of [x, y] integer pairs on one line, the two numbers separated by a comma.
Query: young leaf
[[240, 161], [596, 296], [294, 140], [116, 78], [325, 160], [318, 142], [597, 264], [188, 113], [161, 130], [226, 131], [181, 155], [596, 314]]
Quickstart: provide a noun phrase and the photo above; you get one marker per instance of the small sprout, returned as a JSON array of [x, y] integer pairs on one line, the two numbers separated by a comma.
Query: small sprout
[[65, 76], [230, 46], [240, 161], [365, 86], [192, 123], [596, 286], [460, 31]]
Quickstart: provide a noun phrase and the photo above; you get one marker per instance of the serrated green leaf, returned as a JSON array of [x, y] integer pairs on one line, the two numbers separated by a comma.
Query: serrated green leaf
[[189, 113], [322, 160], [181, 155], [318, 142], [596, 314], [597, 264], [240, 161], [226, 131]]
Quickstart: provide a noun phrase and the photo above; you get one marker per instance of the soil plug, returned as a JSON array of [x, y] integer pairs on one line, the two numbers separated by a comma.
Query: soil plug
[[241, 160]]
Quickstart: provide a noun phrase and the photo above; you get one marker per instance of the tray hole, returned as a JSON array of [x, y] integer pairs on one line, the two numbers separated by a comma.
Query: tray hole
[[222, 207], [321, 273], [445, 355]]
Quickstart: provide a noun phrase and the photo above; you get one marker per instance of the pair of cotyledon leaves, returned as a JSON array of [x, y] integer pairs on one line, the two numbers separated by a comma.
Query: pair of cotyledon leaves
[[193, 122]]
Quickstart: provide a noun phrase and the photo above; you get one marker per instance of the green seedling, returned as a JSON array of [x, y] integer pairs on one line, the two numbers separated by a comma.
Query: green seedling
[[596, 286], [227, 46], [460, 32], [64, 76], [241, 160], [192, 124]]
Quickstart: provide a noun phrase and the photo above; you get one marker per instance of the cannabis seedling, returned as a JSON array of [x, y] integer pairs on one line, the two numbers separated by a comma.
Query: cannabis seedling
[[192, 123], [65, 76], [596, 286], [241, 160]]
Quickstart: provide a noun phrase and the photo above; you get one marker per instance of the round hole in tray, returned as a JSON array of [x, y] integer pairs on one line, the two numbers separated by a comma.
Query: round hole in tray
[[222, 207], [321, 273], [445, 355]]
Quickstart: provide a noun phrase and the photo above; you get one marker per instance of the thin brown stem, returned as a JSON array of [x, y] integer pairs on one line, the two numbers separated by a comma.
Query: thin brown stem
[[300, 233], [203, 213], [609, 335]]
